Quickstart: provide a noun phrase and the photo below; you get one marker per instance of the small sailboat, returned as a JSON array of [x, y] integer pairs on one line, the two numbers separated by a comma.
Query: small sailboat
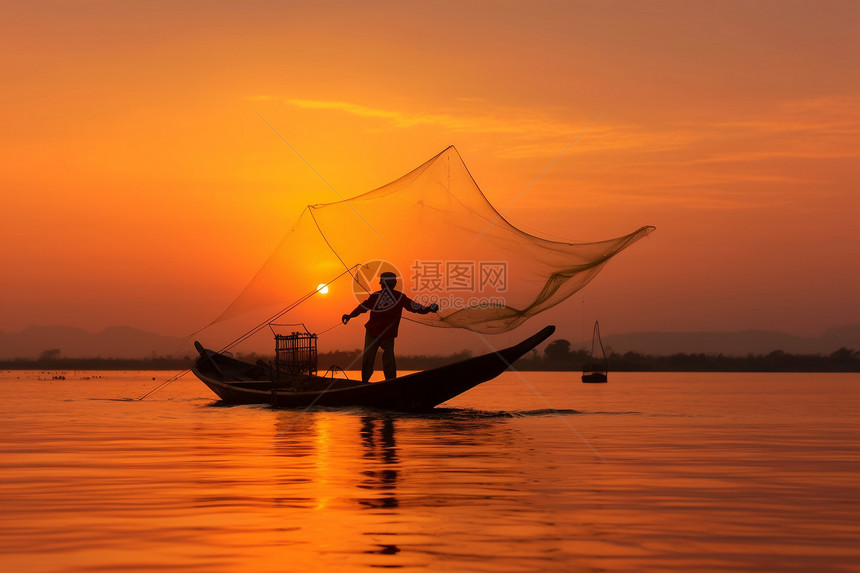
[[595, 370]]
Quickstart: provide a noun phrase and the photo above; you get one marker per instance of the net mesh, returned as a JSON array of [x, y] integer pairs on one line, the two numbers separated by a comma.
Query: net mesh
[[447, 244]]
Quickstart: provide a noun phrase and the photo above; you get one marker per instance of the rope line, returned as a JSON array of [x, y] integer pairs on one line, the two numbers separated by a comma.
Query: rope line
[[254, 330]]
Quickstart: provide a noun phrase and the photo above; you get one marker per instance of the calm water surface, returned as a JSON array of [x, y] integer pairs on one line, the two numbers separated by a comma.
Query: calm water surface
[[531, 472]]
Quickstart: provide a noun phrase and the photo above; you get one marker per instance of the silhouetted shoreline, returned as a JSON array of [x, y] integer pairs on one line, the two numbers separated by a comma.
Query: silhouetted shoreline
[[554, 358]]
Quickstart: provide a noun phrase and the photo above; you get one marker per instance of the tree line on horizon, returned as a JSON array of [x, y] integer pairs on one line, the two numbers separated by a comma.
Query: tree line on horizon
[[557, 356]]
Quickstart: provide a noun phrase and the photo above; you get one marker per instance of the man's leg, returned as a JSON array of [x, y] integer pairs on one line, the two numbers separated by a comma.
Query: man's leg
[[389, 364], [368, 357]]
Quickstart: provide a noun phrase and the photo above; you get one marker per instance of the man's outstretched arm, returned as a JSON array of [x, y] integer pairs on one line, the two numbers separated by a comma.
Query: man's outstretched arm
[[360, 309]]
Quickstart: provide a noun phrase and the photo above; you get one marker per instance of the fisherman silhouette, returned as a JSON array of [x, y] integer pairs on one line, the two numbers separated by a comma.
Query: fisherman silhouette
[[385, 307]]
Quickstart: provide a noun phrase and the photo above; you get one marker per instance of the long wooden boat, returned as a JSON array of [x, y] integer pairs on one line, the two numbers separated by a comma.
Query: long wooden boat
[[237, 382]]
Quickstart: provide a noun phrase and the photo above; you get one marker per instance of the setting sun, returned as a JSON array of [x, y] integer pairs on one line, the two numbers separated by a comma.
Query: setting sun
[[322, 289]]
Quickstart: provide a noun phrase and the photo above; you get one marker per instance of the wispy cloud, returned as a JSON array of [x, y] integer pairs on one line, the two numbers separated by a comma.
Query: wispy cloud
[[807, 128], [747, 161], [402, 119], [530, 133]]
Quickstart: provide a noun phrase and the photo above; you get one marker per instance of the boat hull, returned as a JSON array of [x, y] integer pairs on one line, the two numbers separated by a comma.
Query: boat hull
[[237, 382]]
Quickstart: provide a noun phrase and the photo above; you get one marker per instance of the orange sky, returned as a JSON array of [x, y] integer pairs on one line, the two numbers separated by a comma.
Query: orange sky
[[140, 186]]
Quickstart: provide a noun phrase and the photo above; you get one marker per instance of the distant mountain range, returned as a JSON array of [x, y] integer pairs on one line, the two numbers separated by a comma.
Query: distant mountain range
[[126, 342]]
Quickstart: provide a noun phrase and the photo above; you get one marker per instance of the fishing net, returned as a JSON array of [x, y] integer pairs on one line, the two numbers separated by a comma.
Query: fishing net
[[447, 244]]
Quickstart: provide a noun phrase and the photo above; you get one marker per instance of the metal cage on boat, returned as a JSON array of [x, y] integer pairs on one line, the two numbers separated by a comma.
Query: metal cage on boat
[[296, 354]]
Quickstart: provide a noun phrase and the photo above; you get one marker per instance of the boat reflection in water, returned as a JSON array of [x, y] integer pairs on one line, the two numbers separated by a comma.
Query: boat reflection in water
[[354, 483], [377, 437], [337, 462]]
